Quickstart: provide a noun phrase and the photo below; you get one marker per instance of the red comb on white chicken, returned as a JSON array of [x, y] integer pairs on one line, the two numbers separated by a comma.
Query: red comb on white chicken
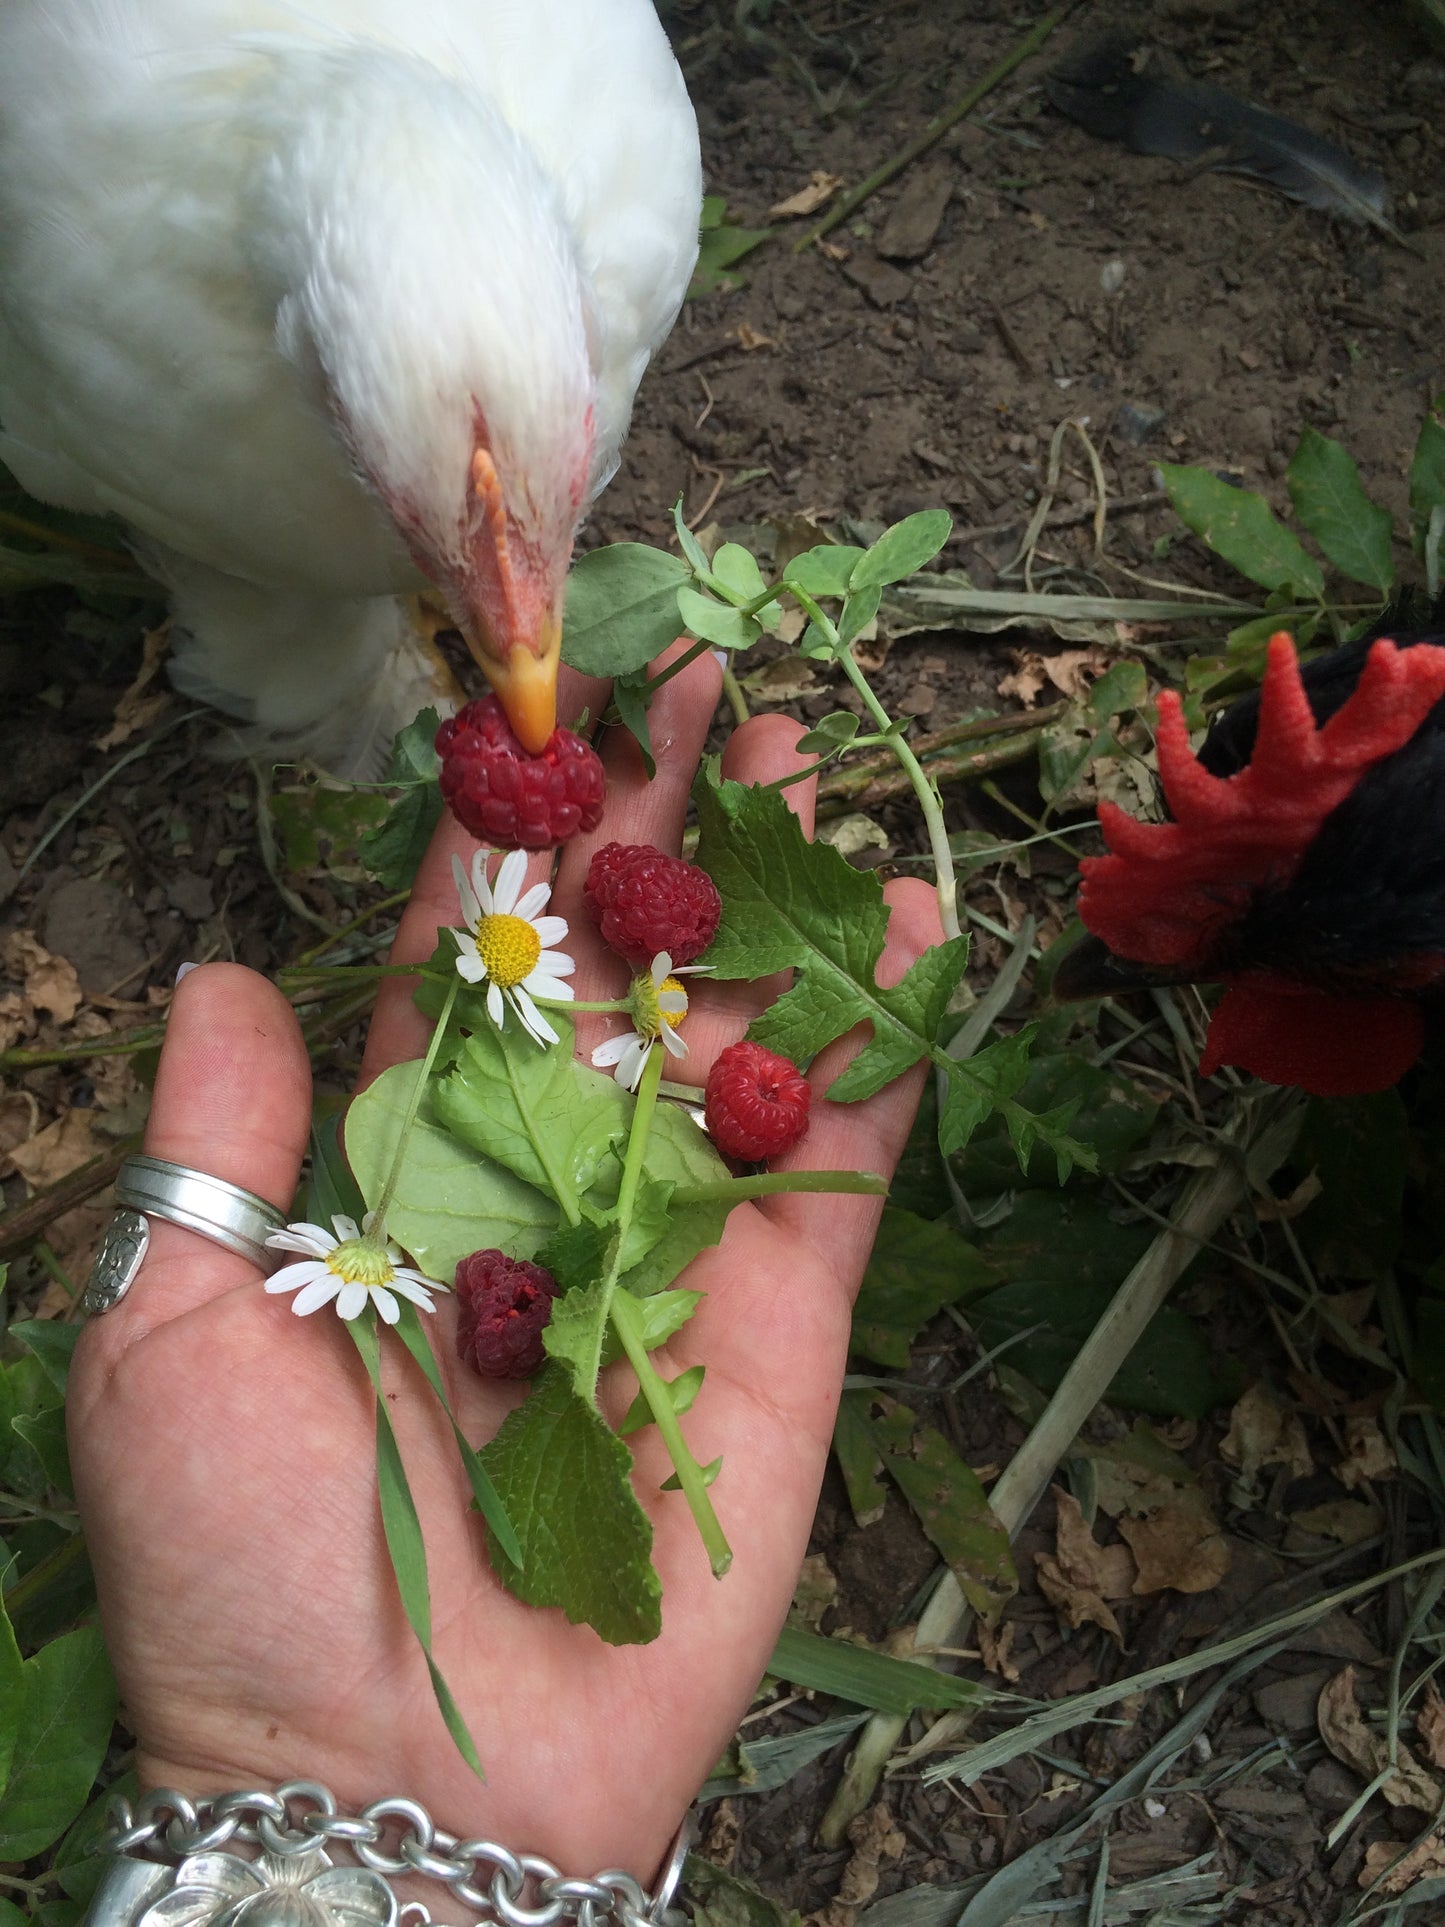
[[333, 303]]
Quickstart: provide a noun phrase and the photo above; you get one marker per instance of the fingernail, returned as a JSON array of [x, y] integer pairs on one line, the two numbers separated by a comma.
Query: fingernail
[[184, 971]]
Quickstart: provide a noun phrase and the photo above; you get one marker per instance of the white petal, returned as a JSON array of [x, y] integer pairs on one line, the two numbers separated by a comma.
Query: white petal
[[320, 1292], [550, 930], [673, 1001], [612, 1052], [346, 1228], [535, 1022], [471, 969], [496, 1005], [351, 1299], [414, 1288], [293, 1277], [481, 889], [533, 900], [310, 1238], [547, 981], [661, 969], [466, 895], [385, 1303], [629, 1071], [672, 1042], [508, 886]]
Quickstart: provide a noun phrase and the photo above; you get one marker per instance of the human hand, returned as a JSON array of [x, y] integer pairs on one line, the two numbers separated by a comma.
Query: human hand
[[224, 1450]]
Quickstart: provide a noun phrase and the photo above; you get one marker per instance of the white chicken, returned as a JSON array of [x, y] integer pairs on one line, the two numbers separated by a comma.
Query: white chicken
[[333, 300]]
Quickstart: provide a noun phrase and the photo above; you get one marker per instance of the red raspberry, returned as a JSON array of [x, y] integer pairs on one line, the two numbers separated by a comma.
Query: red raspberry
[[645, 902], [510, 799], [756, 1102], [503, 1306]]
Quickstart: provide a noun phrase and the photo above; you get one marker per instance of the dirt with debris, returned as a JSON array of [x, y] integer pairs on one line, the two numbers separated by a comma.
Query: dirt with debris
[[1018, 274]]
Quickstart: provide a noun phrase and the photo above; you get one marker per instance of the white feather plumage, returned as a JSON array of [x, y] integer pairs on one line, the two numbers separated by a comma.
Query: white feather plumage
[[263, 266]]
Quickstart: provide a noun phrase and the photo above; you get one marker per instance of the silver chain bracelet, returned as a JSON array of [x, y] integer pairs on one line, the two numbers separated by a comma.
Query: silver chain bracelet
[[167, 1844]]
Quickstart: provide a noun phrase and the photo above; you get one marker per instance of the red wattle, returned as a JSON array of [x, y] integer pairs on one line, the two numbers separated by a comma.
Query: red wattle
[[1330, 1046]]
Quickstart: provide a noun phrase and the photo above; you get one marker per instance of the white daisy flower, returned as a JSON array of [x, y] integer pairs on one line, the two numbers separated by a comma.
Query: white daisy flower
[[350, 1266], [507, 944], [659, 1003]]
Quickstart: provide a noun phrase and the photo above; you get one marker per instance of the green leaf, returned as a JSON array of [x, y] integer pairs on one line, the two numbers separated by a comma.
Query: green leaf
[[414, 756], [586, 1542], [1066, 749], [824, 571], [1111, 1115], [692, 549], [791, 904], [718, 247], [858, 1458], [716, 622], [1062, 1239], [876, 1680], [829, 733], [737, 569], [917, 1267], [681, 1390], [449, 1202], [404, 1542], [857, 612], [417, 1339], [1123, 686], [902, 550], [765, 1764], [1359, 1148], [994, 1076], [12, 1695], [1328, 497], [44, 1433], [78, 1861], [1169, 1373], [540, 1114], [393, 851], [1427, 477], [630, 694], [52, 1343], [1244, 530], [951, 1505], [621, 608], [66, 1716]]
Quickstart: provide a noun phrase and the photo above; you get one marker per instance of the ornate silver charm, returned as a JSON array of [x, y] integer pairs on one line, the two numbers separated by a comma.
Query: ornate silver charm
[[120, 1257], [299, 1890]]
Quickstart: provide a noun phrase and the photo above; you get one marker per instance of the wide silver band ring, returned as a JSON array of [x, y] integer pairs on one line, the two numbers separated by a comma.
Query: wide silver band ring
[[150, 1187]]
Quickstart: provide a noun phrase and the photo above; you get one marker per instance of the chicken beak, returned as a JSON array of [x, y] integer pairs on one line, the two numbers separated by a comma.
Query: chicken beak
[[1090, 969], [525, 681]]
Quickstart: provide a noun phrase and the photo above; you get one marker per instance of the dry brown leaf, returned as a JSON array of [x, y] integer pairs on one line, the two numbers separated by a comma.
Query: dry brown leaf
[[50, 982], [750, 338], [17, 1018], [1368, 1454], [114, 1082], [139, 707], [821, 187], [19, 1118], [1027, 679], [815, 1593], [1396, 1870], [52, 1154], [996, 1650], [834, 250], [1178, 1546], [1430, 1724], [1261, 1432], [1078, 1576], [1073, 672], [1348, 1521], [1345, 1732], [783, 681]]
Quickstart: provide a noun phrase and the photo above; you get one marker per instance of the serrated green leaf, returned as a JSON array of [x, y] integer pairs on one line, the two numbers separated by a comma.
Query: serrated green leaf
[[877, 1680], [826, 570], [544, 1117], [1329, 499], [1122, 686], [66, 1714], [917, 1266], [715, 622], [902, 550], [1427, 477], [621, 608], [393, 851], [1111, 1116], [992, 1075], [1243, 529], [791, 904], [586, 1541]]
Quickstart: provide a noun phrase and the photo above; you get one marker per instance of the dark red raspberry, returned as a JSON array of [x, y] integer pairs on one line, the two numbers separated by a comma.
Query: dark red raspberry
[[510, 799], [503, 1306], [756, 1102], [645, 902]]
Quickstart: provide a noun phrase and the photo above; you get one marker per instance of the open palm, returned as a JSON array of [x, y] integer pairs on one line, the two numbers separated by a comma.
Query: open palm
[[224, 1450]]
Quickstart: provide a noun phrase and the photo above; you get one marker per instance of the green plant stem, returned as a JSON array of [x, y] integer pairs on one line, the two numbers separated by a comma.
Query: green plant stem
[[654, 683], [393, 1176], [356, 923], [346, 973], [769, 1184], [627, 1325], [570, 1003]]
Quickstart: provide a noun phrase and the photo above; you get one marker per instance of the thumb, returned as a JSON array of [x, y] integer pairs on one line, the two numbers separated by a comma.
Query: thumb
[[232, 1099]]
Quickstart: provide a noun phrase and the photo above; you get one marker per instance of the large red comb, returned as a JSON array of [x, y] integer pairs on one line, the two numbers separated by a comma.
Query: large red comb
[[1166, 890]]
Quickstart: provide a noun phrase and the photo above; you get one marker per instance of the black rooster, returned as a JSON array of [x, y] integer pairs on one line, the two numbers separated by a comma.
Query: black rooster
[[1303, 867]]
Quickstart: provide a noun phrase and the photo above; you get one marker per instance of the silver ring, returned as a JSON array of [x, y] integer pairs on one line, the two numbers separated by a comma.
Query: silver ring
[[222, 1212]]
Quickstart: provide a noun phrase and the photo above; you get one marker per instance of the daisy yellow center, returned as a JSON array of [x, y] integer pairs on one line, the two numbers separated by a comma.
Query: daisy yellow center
[[509, 948], [360, 1262], [647, 1014]]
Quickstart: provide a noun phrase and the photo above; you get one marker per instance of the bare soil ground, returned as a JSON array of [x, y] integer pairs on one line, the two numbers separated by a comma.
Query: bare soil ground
[[1019, 273]]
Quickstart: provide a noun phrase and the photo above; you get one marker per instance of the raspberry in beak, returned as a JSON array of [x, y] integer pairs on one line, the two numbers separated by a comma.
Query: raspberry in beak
[[525, 682]]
